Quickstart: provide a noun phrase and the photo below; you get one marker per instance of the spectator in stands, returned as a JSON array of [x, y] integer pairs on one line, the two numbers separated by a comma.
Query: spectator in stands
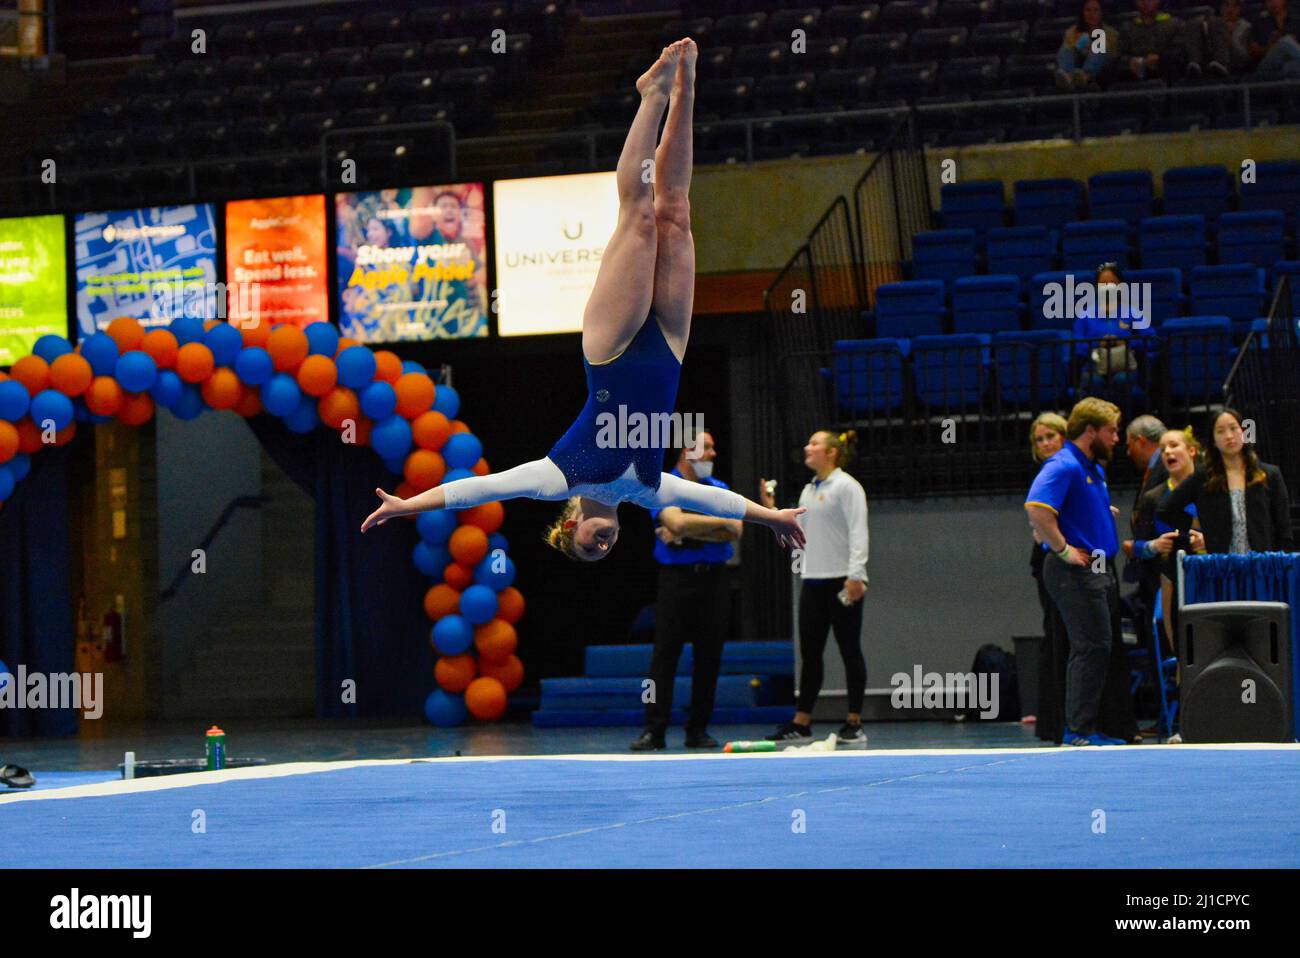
[[692, 605], [1142, 438], [1241, 503], [834, 571], [1222, 43], [1083, 53], [1046, 439], [1110, 362], [1069, 507], [1273, 42], [1154, 46]]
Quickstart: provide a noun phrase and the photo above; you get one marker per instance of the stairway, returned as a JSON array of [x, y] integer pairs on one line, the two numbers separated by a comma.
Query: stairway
[[755, 686]]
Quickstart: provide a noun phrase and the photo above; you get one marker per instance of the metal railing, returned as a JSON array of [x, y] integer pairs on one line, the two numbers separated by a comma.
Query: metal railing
[[183, 573]]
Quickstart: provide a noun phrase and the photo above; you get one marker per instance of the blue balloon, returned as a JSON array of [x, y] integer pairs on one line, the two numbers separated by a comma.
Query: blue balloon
[[305, 418], [281, 395], [378, 400], [186, 329], [136, 371], [322, 339], [7, 483], [20, 465], [436, 527], [444, 709], [50, 404], [189, 403], [225, 342], [391, 438], [50, 347], [496, 570], [478, 604], [462, 451], [446, 401], [254, 366], [498, 541], [454, 474], [411, 366], [452, 635], [14, 400], [101, 352], [356, 366], [431, 560], [5, 675], [166, 389]]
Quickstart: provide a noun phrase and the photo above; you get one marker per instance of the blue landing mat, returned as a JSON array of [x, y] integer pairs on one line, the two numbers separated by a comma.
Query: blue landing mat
[[1167, 807]]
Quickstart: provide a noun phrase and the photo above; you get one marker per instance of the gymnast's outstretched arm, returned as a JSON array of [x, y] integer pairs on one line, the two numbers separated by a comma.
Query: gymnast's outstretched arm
[[714, 501], [539, 479]]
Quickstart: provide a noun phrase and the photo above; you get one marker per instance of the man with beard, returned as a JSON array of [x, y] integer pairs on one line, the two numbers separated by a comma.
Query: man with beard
[[1069, 507]]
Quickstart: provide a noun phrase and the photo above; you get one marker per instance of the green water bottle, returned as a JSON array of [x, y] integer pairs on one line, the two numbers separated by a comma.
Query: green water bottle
[[762, 746], [216, 748]]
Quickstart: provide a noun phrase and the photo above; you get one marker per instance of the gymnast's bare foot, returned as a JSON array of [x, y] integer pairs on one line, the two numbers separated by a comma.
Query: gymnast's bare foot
[[686, 66], [659, 78]]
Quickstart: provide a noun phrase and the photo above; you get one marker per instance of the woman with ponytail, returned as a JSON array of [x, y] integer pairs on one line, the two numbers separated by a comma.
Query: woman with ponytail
[[834, 571]]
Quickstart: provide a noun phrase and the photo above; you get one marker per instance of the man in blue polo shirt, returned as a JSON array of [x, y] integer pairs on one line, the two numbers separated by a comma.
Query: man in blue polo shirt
[[1069, 508], [693, 603]]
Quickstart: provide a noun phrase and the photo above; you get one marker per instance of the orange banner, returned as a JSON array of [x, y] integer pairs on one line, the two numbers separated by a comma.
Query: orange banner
[[275, 260]]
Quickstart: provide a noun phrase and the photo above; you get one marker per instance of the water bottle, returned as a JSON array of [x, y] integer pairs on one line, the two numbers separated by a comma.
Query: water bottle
[[216, 749]]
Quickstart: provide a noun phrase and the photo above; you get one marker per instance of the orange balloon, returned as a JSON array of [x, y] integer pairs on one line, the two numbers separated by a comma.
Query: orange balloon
[[486, 699], [495, 640], [161, 344], [430, 430], [3, 375], [288, 347], [487, 517], [458, 426], [33, 372], [338, 404], [104, 397], [137, 409], [317, 375], [70, 374], [468, 544], [64, 435], [344, 343], [510, 605], [365, 426], [441, 600], [455, 672], [250, 401], [127, 332], [194, 362], [404, 490], [424, 469], [457, 576], [208, 324], [222, 390], [509, 673], [256, 331], [388, 366], [29, 436], [481, 468], [414, 395], [9, 441]]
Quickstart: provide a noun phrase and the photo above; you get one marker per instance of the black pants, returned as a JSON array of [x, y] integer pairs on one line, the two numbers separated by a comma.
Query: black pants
[[693, 605], [820, 611]]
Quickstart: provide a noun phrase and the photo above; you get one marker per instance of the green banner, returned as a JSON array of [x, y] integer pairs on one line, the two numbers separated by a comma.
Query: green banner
[[33, 284]]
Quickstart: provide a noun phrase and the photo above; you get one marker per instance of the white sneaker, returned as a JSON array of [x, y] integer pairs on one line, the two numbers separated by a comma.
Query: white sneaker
[[1175, 739]]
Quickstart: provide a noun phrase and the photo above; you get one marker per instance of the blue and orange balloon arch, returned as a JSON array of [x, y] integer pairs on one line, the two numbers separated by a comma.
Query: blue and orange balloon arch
[[309, 377]]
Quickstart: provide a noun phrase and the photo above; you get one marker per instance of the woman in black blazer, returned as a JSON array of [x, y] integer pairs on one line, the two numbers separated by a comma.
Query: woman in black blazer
[[1241, 503]]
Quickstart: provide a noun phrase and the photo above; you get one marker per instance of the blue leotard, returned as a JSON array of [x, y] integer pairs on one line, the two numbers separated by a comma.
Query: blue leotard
[[643, 379]]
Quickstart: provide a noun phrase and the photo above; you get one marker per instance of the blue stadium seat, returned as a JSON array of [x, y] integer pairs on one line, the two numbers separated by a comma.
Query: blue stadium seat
[[1051, 203], [909, 309], [1207, 190], [1124, 194], [1052, 289], [1033, 365], [943, 254], [1276, 187], [1089, 243], [977, 205], [1166, 292], [1235, 290], [951, 371], [1257, 237], [1290, 269], [869, 375], [1022, 250], [1198, 356], [986, 304], [1177, 241]]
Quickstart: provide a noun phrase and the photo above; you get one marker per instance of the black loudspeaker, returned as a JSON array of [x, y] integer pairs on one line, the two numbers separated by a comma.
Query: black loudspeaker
[[1236, 672]]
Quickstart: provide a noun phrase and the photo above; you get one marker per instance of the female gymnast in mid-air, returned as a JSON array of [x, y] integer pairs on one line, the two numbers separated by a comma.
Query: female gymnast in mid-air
[[634, 334]]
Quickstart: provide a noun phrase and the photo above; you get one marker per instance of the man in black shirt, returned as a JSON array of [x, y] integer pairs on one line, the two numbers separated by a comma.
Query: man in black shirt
[[1273, 41]]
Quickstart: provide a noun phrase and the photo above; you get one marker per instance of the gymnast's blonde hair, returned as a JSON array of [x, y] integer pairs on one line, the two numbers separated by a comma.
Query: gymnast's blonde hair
[[560, 537], [845, 445]]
